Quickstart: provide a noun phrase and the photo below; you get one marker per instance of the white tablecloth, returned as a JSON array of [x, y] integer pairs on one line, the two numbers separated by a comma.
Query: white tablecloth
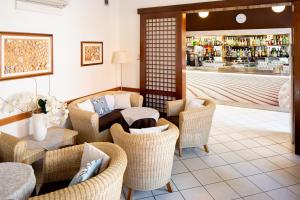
[[135, 113], [17, 181]]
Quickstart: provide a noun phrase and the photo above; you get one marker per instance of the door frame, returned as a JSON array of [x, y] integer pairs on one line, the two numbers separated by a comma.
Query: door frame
[[185, 8]]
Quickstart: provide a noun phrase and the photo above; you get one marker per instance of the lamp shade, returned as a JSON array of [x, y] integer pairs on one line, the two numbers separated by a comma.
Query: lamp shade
[[120, 57]]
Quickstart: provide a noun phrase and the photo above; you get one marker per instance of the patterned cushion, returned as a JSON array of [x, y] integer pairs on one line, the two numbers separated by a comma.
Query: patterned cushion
[[101, 106], [91, 153], [90, 170]]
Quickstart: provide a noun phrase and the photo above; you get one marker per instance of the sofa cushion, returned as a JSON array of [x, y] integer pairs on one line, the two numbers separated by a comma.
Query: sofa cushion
[[101, 106], [90, 154], [51, 187], [86, 105], [174, 120], [86, 172], [108, 120], [122, 101]]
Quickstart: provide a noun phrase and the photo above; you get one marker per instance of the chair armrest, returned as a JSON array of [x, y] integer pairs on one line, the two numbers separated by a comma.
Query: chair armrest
[[136, 100], [62, 164], [12, 149], [175, 107], [86, 123]]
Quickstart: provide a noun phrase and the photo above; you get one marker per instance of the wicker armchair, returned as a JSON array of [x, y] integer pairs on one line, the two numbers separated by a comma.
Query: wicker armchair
[[87, 123], [194, 125], [150, 157], [13, 149], [63, 164]]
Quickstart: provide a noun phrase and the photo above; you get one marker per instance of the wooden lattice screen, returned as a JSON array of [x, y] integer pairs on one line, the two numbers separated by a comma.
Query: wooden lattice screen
[[161, 59]]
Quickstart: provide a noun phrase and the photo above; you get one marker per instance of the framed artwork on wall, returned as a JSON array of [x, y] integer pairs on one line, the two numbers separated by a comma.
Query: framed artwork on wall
[[91, 53], [25, 55]]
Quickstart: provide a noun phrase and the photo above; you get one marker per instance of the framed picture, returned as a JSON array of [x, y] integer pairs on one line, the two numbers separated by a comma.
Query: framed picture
[[91, 53], [25, 55]]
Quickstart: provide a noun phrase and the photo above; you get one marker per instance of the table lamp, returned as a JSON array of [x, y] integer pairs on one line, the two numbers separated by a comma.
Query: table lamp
[[120, 57]]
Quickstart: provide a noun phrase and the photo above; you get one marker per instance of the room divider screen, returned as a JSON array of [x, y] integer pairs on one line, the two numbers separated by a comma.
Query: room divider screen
[[162, 58]]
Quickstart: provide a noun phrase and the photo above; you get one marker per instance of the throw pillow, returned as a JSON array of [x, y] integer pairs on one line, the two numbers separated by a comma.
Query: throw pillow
[[157, 129], [87, 172], [86, 105], [101, 106], [110, 99], [122, 101], [194, 104], [91, 153]]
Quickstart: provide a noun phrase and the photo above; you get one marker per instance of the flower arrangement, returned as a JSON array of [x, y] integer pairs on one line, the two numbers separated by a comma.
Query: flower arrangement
[[56, 112]]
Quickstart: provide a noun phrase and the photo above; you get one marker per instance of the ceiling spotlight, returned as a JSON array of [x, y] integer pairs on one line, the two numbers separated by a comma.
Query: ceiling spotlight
[[203, 14], [278, 9]]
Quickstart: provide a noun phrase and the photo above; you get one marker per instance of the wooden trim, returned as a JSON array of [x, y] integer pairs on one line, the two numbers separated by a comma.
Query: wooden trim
[[296, 76], [30, 35], [15, 118], [127, 89], [26, 115], [210, 5], [81, 52]]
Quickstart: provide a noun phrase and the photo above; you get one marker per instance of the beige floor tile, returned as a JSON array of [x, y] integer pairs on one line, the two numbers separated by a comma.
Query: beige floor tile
[[213, 160], [295, 189], [283, 177], [194, 164], [207, 176], [227, 172], [221, 191], [185, 181], [294, 171], [264, 151], [249, 143], [282, 194], [246, 168], [178, 168], [261, 196], [219, 148], [234, 146], [248, 154], [170, 196], [281, 161], [279, 149], [292, 157], [196, 194], [231, 157], [264, 182], [243, 187], [264, 165], [264, 141]]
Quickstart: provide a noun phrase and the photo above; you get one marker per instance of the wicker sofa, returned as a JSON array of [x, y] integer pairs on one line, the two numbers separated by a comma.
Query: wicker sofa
[[150, 157], [194, 125], [88, 123], [63, 164]]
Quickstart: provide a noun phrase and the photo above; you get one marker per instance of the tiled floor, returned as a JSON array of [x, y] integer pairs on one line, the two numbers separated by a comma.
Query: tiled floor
[[251, 158]]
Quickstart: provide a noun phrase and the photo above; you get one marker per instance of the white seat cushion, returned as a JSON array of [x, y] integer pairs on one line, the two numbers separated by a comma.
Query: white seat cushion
[[157, 129], [122, 101], [86, 105], [194, 104]]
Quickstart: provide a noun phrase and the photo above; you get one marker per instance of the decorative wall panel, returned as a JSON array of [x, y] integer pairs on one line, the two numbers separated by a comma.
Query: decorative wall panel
[[160, 66]]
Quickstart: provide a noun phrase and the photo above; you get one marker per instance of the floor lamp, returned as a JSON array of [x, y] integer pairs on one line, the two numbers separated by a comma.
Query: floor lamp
[[120, 57]]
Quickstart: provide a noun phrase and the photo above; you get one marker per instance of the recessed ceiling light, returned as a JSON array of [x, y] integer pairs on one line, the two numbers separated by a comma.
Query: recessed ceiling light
[[203, 14], [278, 9]]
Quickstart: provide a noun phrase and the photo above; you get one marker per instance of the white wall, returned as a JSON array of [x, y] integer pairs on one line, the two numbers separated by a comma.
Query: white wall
[[82, 20], [130, 33]]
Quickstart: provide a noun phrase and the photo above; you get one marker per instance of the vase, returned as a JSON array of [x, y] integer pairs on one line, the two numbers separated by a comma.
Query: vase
[[39, 126]]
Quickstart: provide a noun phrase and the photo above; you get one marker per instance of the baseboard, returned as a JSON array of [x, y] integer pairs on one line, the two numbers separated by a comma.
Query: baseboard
[[26, 115]]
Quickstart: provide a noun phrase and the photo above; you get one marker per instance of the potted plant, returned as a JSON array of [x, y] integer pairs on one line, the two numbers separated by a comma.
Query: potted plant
[[46, 111]]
